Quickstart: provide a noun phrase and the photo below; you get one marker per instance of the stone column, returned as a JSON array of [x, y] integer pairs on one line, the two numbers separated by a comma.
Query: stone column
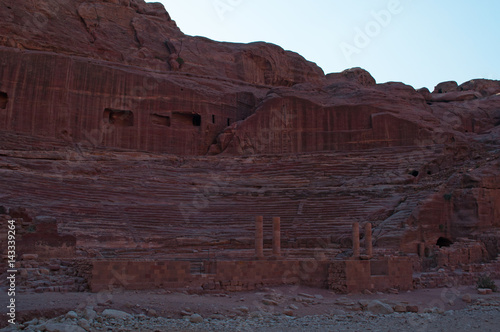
[[368, 240], [259, 237], [355, 240], [276, 236]]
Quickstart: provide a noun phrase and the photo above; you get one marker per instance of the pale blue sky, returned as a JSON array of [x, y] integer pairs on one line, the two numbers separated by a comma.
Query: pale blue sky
[[421, 43]]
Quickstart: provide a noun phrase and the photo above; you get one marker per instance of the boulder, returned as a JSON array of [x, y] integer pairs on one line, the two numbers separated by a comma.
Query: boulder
[[455, 96], [196, 318], [399, 308], [72, 315], [450, 86], [116, 314], [84, 324], [484, 291], [89, 313], [379, 308], [412, 308], [269, 302], [357, 75], [483, 86]]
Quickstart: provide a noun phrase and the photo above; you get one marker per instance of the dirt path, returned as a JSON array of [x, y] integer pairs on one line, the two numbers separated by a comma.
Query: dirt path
[[270, 307]]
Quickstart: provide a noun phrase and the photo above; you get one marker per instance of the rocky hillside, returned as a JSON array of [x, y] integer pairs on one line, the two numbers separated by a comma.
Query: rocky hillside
[[137, 137], [141, 34]]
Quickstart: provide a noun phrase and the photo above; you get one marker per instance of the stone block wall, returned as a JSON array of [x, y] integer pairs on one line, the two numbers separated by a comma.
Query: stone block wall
[[246, 275], [374, 275], [52, 275], [461, 254], [38, 236], [340, 276], [139, 275], [220, 275]]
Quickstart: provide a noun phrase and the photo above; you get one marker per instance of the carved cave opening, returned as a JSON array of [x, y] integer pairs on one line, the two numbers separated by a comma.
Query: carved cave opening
[[196, 120], [444, 242], [120, 118], [4, 99], [414, 173], [161, 120], [186, 120], [228, 122], [213, 118]]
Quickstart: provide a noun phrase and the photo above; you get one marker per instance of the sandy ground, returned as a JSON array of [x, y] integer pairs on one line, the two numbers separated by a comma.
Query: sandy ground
[[297, 305]]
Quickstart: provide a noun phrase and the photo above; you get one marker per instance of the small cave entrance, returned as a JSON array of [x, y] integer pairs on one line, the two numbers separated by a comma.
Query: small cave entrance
[[196, 120], [160, 120], [444, 242], [4, 99], [228, 122], [185, 120], [120, 118], [414, 173]]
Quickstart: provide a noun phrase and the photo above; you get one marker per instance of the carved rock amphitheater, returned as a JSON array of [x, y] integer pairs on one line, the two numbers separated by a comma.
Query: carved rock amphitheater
[[141, 157]]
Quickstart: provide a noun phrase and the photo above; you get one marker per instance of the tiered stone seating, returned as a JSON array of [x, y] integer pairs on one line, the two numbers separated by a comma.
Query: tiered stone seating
[[112, 200]]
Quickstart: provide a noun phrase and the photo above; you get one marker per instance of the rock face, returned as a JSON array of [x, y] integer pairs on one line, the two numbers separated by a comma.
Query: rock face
[[139, 67], [136, 137], [302, 119], [142, 34]]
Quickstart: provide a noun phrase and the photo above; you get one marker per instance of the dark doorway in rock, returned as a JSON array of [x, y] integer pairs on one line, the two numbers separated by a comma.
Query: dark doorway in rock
[[228, 122], [4, 99], [185, 120], [120, 118], [414, 173], [196, 120], [444, 242]]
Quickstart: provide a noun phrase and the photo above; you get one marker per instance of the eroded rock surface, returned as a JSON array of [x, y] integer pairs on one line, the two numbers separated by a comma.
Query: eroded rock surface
[[139, 139]]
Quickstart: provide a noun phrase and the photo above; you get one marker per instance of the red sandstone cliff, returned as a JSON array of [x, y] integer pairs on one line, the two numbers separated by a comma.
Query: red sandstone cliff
[[248, 128], [141, 34]]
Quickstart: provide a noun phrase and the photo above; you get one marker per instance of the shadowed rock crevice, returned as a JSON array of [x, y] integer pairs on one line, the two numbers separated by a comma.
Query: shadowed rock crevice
[[4, 99], [444, 242]]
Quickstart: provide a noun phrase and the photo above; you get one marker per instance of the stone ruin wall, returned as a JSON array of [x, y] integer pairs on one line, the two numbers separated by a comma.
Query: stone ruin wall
[[59, 269]]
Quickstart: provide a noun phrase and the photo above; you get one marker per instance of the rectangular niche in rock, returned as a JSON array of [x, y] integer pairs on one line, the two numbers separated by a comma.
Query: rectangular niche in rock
[[4, 99], [161, 120], [120, 118], [186, 119]]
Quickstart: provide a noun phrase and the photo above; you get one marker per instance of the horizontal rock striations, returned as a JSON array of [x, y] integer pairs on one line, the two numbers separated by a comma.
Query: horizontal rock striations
[[138, 138]]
